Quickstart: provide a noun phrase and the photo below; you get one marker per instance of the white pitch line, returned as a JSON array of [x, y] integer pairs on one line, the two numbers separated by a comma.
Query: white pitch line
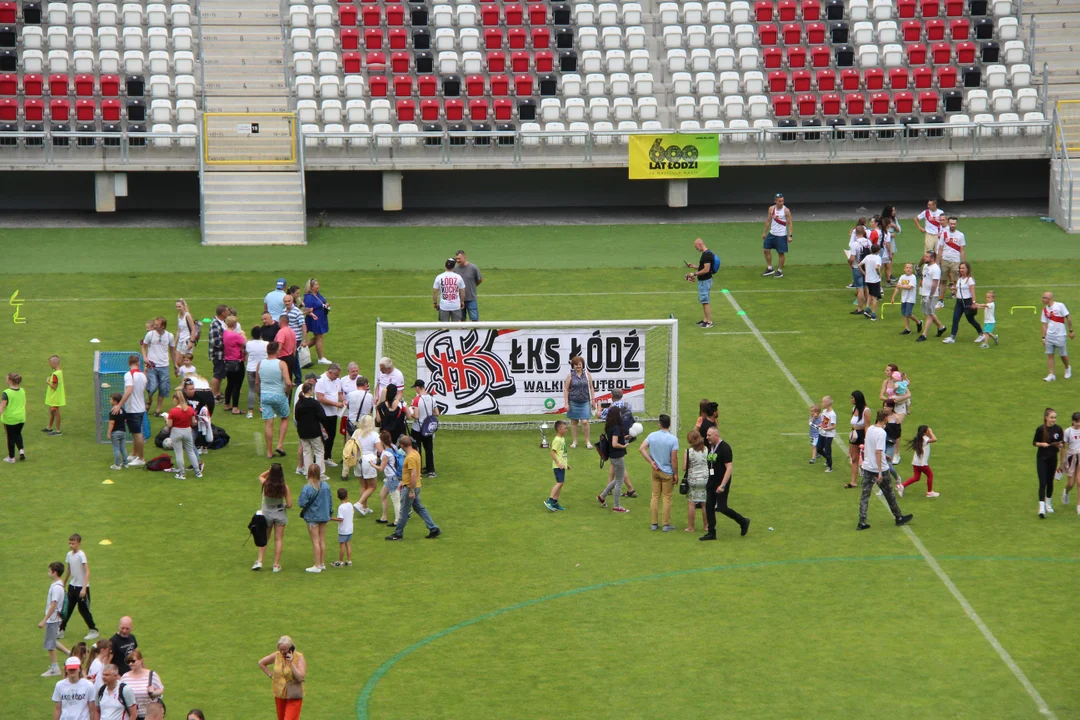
[[766, 332], [930, 560], [260, 444], [774, 290]]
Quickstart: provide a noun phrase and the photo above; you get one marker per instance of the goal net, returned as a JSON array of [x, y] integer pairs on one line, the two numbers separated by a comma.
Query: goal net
[[109, 371], [510, 375]]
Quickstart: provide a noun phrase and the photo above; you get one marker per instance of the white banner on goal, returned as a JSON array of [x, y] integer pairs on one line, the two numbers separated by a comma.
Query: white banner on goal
[[508, 371]]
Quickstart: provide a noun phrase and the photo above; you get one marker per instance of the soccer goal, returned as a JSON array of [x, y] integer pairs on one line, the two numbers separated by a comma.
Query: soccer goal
[[510, 375], [109, 370]]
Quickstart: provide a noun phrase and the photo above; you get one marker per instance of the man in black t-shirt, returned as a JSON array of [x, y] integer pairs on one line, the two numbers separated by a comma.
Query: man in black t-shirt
[[268, 330], [706, 268], [719, 485], [123, 642]]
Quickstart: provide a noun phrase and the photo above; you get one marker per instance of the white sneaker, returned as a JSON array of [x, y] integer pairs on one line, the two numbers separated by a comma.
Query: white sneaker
[[60, 635], [1068, 372], [130, 458], [136, 462], [359, 507], [54, 671], [325, 361], [900, 489], [330, 463], [116, 467], [257, 566], [313, 569], [980, 338], [1050, 378], [1049, 507], [573, 446], [249, 416], [300, 472], [588, 446], [277, 568], [949, 340], [1065, 497], [896, 459], [92, 635], [933, 494], [322, 567]]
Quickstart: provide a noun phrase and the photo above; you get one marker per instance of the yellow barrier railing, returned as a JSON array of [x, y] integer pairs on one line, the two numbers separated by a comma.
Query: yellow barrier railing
[[1069, 112], [249, 138]]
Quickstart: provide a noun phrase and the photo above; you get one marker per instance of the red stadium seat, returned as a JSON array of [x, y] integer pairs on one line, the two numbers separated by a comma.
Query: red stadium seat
[[786, 10], [912, 30], [538, 15], [773, 58], [350, 39], [519, 62], [916, 54], [347, 15], [395, 16], [377, 86], [954, 8], [513, 15], [849, 79], [9, 85], [946, 78], [874, 78], [523, 85], [965, 53], [807, 105], [400, 62], [820, 57], [496, 62], [763, 11], [84, 85], [58, 85], [373, 39], [475, 86], [879, 103], [855, 104], [375, 61], [781, 105], [110, 110], [800, 81], [905, 9], [796, 57], [372, 16], [7, 13], [928, 102], [429, 110], [34, 109], [930, 8], [898, 79], [811, 10], [905, 102], [454, 110], [923, 77], [110, 86], [778, 81], [493, 38], [935, 30], [60, 110], [516, 38], [500, 86], [489, 16], [85, 111], [544, 61], [403, 86], [504, 109], [399, 39], [959, 30], [541, 38], [815, 34], [941, 53], [825, 80], [9, 110], [406, 110], [478, 110], [350, 63], [427, 86], [767, 34], [792, 34], [830, 104]]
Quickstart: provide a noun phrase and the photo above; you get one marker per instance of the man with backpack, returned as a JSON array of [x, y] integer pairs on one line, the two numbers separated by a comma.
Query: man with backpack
[[707, 266], [115, 700], [424, 411]]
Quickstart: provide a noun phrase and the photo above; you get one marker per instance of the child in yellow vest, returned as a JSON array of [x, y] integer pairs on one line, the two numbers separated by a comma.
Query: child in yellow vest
[[54, 396], [13, 416]]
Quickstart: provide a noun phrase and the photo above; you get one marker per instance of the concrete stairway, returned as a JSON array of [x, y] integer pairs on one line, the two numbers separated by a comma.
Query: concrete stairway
[[1057, 43], [253, 208], [244, 72]]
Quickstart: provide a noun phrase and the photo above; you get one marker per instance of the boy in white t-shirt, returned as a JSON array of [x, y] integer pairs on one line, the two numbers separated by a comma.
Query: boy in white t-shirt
[[345, 528], [54, 602], [989, 319], [871, 267], [826, 432], [73, 695], [907, 286], [185, 368]]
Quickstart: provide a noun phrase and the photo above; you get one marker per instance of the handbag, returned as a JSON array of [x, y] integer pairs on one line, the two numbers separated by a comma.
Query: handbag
[[233, 366], [154, 708], [303, 355], [310, 502], [684, 484]]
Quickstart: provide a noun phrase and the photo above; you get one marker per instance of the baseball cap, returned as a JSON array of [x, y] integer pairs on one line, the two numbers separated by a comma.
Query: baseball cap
[[779, 195], [72, 662], [418, 384], [280, 284], [189, 381]]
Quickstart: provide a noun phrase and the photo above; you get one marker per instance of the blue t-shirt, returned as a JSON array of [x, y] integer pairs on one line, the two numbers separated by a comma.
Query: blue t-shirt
[[661, 443], [275, 303], [319, 511]]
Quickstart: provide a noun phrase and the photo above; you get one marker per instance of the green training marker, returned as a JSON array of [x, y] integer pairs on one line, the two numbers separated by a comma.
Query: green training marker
[[724, 290], [206, 320], [741, 312]]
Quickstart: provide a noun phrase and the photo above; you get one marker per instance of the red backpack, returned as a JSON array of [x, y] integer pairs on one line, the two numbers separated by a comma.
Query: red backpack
[[159, 464]]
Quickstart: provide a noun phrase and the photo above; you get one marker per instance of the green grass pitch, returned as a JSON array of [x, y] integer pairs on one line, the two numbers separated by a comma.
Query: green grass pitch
[[519, 613]]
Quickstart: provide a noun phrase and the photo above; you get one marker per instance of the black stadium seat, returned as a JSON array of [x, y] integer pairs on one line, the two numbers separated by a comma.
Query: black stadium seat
[[112, 128], [481, 141], [7, 139], [456, 139], [839, 33], [86, 141], [838, 126], [34, 127], [506, 127], [810, 136], [425, 62], [549, 86], [136, 128], [135, 86], [910, 132], [787, 136], [568, 61], [136, 110], [451, 85], [527, 109], [990, 52], [856, 124], [433, 141], [834, 10], [61, 141], [954, 101], [972, 76], [32, 13], [935, 120], [984, 29], [845, 56]]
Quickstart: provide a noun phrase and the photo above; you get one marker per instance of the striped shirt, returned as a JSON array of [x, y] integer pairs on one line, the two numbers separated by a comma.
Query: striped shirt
[[140, 687], [296, 322]]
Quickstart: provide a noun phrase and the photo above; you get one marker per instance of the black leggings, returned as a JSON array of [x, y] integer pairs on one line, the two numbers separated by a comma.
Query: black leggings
[[14, 438], [824, 448], [428, 446], [958, 312], [1046, 467], [234, 382], [330, 424]]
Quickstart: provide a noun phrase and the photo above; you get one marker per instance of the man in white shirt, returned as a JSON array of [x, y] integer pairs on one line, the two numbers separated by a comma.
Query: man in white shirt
[[423, 406], [115, 700], [360, 401], [446, 293], [77, 576], [928, 291], [858, 247], [328, 393], [158, 355], [388, 375], [133, 404], [871, 267], [951, 244], [873, 466], [73, 696], [932, 217], [348, 381], [1055, 321]]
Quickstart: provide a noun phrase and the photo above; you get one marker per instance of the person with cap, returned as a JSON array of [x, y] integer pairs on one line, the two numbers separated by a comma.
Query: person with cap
[[472, 277], [274, 302], [424, 406], [446, 293], [777, 235], [73, 696]]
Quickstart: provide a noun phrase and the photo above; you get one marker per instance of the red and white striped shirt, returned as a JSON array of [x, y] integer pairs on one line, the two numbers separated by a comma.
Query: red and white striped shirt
[[1053, 317]]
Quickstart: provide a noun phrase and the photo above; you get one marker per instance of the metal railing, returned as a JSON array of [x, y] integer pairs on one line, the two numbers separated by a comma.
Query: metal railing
[[124, 147], [748, 146], [1061, 178]]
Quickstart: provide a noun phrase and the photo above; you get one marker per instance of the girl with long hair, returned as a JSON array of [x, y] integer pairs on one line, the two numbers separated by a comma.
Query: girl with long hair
[[315, 509], [390, 414], [368, 440], [96, 659], [391, 480], [276, 499], [697, 475], [185, 331], [965, 305], [617, 457], [1050, 441], [920, 461], [860, 419]]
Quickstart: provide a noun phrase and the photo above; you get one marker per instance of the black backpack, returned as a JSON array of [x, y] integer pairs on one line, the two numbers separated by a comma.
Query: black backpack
[[161, 437], [603, 448], [221, 439], [120, 694], [258, 529]]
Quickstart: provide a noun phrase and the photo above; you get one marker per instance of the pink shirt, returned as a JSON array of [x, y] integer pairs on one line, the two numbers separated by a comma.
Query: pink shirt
[[234, 345]]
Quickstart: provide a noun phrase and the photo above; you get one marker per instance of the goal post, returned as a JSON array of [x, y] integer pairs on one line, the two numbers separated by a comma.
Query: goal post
[[509, 375]]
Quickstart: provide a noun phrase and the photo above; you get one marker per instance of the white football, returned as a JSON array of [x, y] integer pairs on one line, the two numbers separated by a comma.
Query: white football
[[636, 429], [167, 443]]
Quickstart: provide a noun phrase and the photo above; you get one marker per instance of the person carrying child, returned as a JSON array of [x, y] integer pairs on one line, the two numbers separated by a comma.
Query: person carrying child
[[559, 465], [907, 286], [989, 320], [54, 396], [815, 431], [920, 461], [827, 431], [344, 519]]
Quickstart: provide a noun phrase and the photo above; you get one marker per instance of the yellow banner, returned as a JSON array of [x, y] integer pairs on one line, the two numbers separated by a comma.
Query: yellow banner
[[676, 156]]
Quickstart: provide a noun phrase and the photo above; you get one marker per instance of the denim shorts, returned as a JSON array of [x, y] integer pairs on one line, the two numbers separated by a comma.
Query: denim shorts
[[274, 405], [1059, 346], [157, 380], [704, 287], [219, 369], [578, 411], [560, 474], [907, 309], [344, 538], [135, 423], [775, 242], [857, 278]]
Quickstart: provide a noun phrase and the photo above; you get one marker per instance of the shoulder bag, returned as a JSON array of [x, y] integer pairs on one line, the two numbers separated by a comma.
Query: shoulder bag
[[684, 484]]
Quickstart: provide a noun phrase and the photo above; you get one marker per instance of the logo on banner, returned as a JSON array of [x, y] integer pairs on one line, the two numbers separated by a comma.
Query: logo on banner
[[465, 368], [673, 156]]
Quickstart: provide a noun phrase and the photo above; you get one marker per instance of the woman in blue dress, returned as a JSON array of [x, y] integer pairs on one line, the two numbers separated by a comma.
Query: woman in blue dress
[[317, 322]]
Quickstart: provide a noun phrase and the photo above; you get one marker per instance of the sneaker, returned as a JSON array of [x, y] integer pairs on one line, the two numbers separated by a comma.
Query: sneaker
[[313, 569], [745, 525], [995, 337], [779, 274], [130, 458], [813, 460], [558, 506], [979, 339], [10, 460], [1065, 497], [1049, 507], [903, 520], [873, 317], [1042, 516], [54, 433], [588, 446], [867, 312], [432, 475], [828, 469], [949, 340], [277, 568], [46, 430], [550, 505], [707, 537], [862, 526], [433, 534], [619, 509], [573, 446], [257, 566], [984, 345], [706, 326], [359, 507], [198, 473], [921, 338], [380, 521], [603, 504], [1050, 378], [324, 361], [900, 489], [668, 528], [918, 324], [394, 538], [768, 271], [53, 671], [116, 467], [941, 331], [700, 323], [337, 563], [92, 635], [179, 476], [137, 462], [850, 286], [856, 312], [348, 563], [1068, 372], [905, 332], [933, 494], [654, 526], [896, 459], [249, 416], [330, 463], [938, 305], [60, 635]]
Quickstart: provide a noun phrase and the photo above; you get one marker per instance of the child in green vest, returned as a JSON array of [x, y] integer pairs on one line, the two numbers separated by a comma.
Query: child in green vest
[[13, 416], [54, 396]]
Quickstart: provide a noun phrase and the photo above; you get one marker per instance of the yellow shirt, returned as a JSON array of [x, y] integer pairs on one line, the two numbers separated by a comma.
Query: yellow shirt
[[283, 674], [412, 462], [56, 398], [558, 446]]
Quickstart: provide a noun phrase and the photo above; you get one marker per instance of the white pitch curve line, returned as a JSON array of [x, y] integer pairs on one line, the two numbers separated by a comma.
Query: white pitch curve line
[[930, 560]]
